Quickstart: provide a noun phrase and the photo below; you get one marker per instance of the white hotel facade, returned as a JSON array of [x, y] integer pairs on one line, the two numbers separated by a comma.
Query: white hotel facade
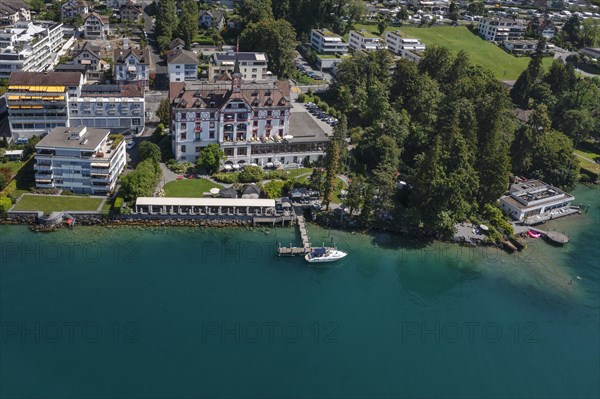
[[250, 122]]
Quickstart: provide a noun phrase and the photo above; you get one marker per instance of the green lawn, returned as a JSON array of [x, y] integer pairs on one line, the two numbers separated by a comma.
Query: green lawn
[[56, 203], [456, 38], [13, 165], [585, 164], [189, 188]]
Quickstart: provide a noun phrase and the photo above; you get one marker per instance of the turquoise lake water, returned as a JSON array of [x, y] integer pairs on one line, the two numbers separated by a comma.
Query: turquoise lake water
[[126, 312]]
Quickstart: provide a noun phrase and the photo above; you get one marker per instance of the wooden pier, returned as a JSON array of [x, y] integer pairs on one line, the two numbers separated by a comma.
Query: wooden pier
[[306, 246]]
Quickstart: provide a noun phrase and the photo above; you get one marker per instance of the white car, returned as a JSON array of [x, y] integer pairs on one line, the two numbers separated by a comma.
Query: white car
[[130, 144]]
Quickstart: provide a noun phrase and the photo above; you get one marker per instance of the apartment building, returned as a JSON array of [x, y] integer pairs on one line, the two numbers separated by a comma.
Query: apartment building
[[365, 41], [253, 66], [95, 26], [38, 102], [250, 121], [132, 66], [80, 159], [13, 11], [119, 108], [400, 45], [29, 46], [520, 46], [182, 66], [498, 30], [323, 41]]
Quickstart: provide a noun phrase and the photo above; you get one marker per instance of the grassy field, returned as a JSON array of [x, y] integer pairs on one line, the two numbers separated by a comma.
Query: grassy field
[[13, 165], [56, 203], [189, 188], [589, 165], [503, 65]]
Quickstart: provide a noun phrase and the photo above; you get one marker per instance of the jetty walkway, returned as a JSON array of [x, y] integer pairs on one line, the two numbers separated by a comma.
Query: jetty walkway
[[306, 244]]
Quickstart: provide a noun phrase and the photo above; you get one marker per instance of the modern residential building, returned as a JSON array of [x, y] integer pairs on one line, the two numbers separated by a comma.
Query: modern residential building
[[365, 41], [72, 8], [520, 46], [533, 199], [132, 66], [29, 46], [182, 66], [253, 66], [400, 45], [38, 102], [211, 19], [95, 26], [591, 52], [131, 11], [498, 30], [251, 122], [82, 159], [119, 108], [323, 41], [13, 11], [89, 56]]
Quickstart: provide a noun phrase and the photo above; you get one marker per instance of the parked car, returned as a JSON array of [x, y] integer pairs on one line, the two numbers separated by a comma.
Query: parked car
[[130, 144]]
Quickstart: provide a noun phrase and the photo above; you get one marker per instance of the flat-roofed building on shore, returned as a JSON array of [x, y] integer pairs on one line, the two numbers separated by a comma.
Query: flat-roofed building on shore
[[80, 159], [205, 206], [251, 122], [534, 198]]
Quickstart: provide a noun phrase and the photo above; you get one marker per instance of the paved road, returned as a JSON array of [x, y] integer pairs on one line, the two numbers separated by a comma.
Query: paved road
[[157, 65]]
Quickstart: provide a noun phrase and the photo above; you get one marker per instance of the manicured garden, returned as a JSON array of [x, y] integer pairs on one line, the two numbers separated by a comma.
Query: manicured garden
[[56, 203], [189, 188], [455, 38]]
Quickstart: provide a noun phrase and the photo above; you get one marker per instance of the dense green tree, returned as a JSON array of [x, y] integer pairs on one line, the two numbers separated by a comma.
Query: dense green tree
[[382, 23], [476, 7], [188, 22], [211, 158], [142, 181], [402, 15], [251, 174], [277, 39], [356, 193], [521, 91], [560, 77], [149, 150], [166, 23], [164, 112], [453, 11], [252, 11]]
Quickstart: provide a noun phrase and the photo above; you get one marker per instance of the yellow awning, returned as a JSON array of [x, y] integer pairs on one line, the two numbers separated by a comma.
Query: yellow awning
[[12, 98], [14, 106]]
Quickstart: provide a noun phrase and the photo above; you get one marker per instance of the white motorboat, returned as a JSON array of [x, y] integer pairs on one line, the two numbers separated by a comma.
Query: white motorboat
[[322, 255]]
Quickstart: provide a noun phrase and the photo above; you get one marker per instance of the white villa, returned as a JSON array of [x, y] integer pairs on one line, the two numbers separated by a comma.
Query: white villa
[[534, 199]]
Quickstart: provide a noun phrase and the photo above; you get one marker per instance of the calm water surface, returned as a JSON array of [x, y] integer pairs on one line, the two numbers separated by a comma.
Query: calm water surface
[[112, 313]]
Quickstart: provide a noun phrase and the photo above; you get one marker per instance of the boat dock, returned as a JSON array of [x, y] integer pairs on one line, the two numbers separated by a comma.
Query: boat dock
[[306, 244]]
